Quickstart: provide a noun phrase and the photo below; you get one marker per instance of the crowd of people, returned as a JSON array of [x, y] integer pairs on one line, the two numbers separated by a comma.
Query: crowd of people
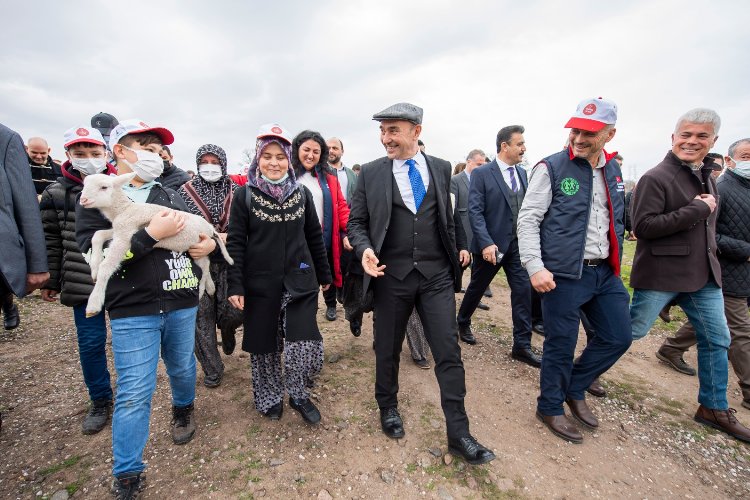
[[392, 237]]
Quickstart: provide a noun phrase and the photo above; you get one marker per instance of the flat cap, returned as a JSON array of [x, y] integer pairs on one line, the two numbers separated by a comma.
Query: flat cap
[[400, 111]]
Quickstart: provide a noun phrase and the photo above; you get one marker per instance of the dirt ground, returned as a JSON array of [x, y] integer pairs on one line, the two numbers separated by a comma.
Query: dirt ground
[[647, 445]]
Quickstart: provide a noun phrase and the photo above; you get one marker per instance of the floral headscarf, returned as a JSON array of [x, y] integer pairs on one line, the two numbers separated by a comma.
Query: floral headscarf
[[279, 192], [210, 200]]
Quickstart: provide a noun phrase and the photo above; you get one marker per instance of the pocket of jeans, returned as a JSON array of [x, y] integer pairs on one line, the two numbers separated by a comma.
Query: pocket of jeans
[[670, 250]]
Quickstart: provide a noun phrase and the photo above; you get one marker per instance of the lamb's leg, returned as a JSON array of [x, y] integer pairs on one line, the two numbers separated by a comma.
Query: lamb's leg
[[206, 283], [107, 268], [97, 249]]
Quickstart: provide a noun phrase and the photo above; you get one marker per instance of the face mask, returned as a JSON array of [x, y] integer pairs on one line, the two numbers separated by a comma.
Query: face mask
[[209, 172], [274, 182], [742, 168], [89, 166], [149, 165]]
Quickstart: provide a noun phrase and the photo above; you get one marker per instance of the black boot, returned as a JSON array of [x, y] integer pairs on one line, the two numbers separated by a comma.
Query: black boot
[[11, 318]]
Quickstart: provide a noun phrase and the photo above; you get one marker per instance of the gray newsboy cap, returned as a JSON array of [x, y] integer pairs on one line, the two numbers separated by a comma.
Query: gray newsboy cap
[[400, 111]]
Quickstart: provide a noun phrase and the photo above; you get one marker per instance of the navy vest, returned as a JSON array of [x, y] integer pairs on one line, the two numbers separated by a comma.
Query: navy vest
[[563, 230]]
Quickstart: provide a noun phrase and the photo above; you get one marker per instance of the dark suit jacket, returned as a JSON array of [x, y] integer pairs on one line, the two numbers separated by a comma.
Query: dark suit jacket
[[373, 202], [490, 215], [460, 189], [676, 249], [22, 245]]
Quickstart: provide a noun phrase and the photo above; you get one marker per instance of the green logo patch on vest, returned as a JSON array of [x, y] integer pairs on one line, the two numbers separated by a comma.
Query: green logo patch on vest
[[569, 186]]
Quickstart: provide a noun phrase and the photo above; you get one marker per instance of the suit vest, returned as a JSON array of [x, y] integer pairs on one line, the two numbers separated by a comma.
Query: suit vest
[[412, 240]]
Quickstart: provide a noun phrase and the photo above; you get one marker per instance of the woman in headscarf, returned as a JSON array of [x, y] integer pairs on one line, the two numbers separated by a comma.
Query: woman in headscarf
[[279, 257], [209, 195], [309, 159]]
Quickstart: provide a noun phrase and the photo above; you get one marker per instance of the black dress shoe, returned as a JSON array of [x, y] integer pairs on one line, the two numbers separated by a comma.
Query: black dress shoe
[[422, 363], [307, 409], [391, 423], [331, 313], [471, 451], [538, 328], [483, 306], [275, 412], [11, 317], [356, 328], [488, 293], [526, 355], [464, 333]]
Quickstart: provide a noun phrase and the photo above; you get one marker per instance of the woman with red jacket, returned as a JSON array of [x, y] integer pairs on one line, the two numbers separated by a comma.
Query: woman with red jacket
[[309, 159]]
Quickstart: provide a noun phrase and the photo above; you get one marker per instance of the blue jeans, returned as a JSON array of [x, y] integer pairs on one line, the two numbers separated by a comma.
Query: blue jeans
[[92, 349], [602, 296], [136, 342], [705, 310]]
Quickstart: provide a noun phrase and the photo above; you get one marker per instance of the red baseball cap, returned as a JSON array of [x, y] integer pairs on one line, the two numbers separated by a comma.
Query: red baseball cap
[[593, 115]]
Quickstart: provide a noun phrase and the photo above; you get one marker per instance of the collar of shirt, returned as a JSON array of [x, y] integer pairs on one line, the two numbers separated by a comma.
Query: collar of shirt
[[139, 194], [602, 160], [468, 175], [418, 158]]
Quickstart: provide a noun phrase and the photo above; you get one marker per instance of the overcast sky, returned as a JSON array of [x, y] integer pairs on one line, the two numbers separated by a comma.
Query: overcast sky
[[214, 71]]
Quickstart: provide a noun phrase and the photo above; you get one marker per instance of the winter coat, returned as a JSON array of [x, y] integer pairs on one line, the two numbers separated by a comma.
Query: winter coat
[[733, 233], [69, 273], [173, 177]]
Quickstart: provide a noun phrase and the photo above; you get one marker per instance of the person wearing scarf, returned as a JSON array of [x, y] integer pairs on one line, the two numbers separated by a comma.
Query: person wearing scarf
[[310, 161], [209, 195], [280, 259]]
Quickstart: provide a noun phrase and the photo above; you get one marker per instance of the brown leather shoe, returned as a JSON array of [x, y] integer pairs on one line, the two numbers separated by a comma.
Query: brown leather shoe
[[562, 427], [723, 420], [596, 389], [581, 412]]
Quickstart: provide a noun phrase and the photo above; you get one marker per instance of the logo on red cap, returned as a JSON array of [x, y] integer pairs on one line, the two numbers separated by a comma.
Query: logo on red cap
[[82, 132], [143, 125], [276, 130], [590, 109]]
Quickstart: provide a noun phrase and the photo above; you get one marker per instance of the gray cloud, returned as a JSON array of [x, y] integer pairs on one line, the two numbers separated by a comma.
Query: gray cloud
[[215, 71]]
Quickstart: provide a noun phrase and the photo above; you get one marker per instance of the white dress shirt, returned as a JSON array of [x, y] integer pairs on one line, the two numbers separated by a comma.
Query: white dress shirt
[[506, 174], [343, 179], [401, 173]]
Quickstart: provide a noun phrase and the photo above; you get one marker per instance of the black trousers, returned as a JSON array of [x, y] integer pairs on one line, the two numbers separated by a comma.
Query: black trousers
[[435, 302], [482, 273], [329, 296]]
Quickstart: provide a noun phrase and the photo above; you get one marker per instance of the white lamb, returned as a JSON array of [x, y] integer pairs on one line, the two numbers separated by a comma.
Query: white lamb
[[105, 193]]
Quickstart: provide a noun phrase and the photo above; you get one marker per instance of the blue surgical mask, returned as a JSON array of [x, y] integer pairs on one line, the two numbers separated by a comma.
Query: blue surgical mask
[[742, 168], [286, 175]]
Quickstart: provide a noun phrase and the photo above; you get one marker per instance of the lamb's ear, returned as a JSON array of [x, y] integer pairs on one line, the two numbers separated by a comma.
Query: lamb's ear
[[123, 179]]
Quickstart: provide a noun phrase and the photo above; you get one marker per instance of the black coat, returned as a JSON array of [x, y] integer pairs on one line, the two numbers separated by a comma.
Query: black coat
[[733, 233], [276, 247], [372, 205], [69, 273], [173, 177]]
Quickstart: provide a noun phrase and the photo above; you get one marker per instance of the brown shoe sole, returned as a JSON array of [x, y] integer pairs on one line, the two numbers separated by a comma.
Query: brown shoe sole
[[720, 428], [560, 435]]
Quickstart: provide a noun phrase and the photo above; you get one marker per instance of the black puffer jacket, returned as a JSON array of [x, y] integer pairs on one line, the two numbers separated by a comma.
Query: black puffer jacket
[[173, 177], [69, 273], [733, 233]]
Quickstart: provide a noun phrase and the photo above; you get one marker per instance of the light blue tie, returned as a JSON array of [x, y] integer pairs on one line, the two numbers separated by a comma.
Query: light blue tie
[[417, 185]]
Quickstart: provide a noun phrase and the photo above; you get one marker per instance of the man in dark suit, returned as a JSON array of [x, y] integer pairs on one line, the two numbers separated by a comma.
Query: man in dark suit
[[495, 197], [402, 228], [23, 261], [460, 191]]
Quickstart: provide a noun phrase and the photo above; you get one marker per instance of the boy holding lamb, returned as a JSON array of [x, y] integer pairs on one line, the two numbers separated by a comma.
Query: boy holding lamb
[[150, 311]]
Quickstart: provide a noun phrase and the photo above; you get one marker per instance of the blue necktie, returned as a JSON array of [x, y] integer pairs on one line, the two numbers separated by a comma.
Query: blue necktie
[[513, 183], [417, 185]]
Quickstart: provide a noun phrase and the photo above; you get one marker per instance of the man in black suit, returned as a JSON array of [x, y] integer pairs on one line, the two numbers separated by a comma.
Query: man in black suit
[[460, 190], [402, 228], [495, 197]]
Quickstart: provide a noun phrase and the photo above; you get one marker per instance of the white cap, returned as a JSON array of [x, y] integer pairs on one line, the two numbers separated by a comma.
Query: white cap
[[593, 115], [82, 134], [274, 130], [127, 127]]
